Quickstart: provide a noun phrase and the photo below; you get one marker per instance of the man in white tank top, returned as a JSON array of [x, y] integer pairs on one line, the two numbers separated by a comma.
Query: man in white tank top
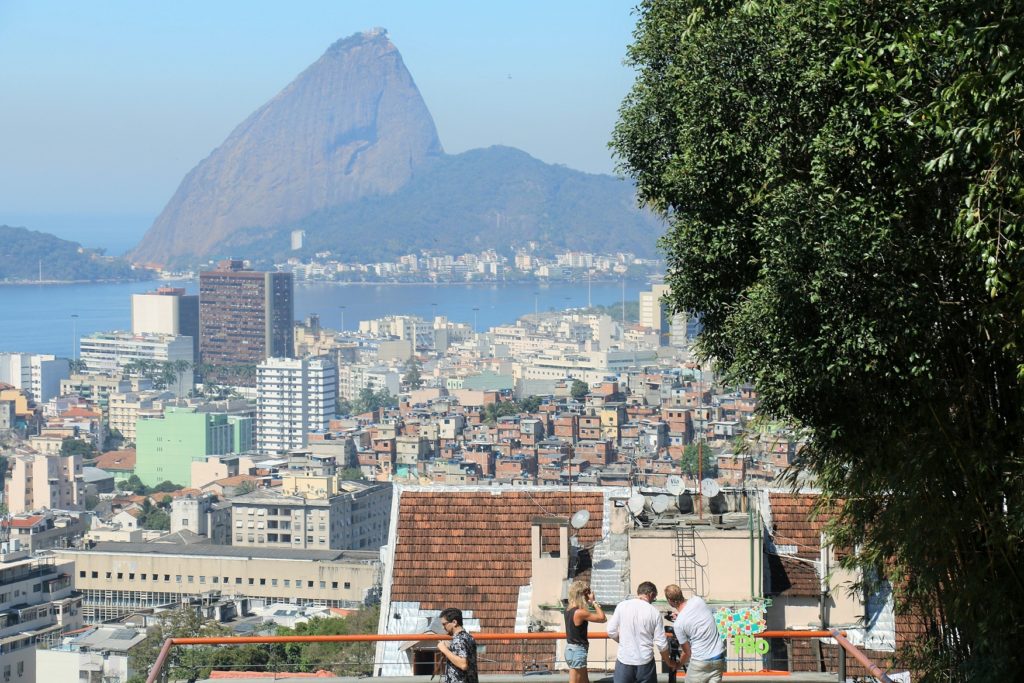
[[695, 628]]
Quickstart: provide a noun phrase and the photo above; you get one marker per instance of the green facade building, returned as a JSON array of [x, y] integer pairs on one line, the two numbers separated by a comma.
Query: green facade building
[[165, 447]]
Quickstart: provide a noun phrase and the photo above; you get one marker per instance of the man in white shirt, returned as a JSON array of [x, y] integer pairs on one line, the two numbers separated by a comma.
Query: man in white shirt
[[698, 635], [638, 628]]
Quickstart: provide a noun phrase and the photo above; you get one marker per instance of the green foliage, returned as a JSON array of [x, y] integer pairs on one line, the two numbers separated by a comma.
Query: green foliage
[[492, 411], [688, 462], [843, 182], [615, 311], [344, 659], [351, 474], [371, 400], [72, 446], [579, 389], [135, 485], [23, 251], [412, 378], [184, 663]]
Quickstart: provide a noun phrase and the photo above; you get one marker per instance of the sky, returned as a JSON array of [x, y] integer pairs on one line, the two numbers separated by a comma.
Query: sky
[[105, 106]]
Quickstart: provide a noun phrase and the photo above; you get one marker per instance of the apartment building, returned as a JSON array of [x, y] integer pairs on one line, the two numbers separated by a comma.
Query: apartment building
[[38, 374], [125, 409], [294, 399], [116, 579], [111, 352], [36, 606], [168, 310], [36, 481], [167, 445], [245, 317], [313, 513]]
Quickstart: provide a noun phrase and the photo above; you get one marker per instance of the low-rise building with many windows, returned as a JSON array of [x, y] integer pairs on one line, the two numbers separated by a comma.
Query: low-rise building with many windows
[[118, 579]]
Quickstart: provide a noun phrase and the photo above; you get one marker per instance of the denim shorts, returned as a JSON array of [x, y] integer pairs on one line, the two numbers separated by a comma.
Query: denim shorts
[[576, 656]]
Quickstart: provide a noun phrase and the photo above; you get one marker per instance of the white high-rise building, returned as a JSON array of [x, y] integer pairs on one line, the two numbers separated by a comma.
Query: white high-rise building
[[111, 352], [39, 374], [295, 398]]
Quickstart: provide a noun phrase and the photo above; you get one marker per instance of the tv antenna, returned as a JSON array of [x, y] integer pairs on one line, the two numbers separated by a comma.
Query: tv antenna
[[709, 488]]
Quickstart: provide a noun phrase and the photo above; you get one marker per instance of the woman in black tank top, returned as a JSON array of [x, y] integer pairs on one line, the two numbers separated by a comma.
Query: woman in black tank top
[[577, 618]]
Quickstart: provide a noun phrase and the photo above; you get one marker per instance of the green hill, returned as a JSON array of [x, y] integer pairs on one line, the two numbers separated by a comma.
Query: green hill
[[32, 255], [484, 198]]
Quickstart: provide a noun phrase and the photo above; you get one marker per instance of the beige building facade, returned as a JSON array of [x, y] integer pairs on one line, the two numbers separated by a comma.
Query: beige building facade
[[117, 579], [39, 481]]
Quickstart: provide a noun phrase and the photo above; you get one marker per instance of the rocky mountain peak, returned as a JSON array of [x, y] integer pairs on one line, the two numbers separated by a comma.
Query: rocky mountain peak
[[352, 125]]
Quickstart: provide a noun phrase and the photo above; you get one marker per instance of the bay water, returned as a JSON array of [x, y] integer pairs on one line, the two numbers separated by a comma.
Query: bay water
[[48, 318]]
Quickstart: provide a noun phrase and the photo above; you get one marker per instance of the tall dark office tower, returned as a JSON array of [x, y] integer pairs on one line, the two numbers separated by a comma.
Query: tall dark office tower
[[245, 316]]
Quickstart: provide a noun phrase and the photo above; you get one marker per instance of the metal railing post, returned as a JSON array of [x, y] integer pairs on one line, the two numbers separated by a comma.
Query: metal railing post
[[842, 665]]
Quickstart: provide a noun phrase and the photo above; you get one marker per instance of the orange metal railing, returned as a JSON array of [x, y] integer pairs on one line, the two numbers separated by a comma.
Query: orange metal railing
[[845, 646]]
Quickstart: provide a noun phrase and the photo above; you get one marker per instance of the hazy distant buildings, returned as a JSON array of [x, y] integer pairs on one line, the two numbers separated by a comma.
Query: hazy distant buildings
[[675, 330], [245, 317], [114, 352], [168, 310], [38, 374], [295, 398]]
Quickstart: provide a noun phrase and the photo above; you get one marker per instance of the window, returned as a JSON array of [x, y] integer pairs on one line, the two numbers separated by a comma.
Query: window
[[252, 581], [216, 579], [131, 576], [273, 582], [348, 585], [167, 577], [191, 579], [109, 575], [95, 575], [309, 584], [202, 579], [81, 574], [120, 575], [177, 578], [142, 577], [238, 580], [263, 582], [287, 583], [334, 584]]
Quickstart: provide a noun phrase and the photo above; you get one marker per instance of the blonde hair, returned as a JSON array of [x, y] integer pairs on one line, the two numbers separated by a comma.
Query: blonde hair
[[578, 594]]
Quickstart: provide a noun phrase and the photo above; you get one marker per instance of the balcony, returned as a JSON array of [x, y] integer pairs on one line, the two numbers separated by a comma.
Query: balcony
[[511, 657]]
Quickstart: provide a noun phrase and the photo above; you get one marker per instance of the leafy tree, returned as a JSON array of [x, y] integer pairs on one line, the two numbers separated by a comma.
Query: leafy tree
[[371, 400], [688, 462], [530, 404], [351, 474], [342, 407], [843, 186], [413, 378], [579, 389], [344, 659], [72, 446], [183, 663]]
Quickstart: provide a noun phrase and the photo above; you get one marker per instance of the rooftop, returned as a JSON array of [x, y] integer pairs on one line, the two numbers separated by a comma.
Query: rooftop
[[119, 548]]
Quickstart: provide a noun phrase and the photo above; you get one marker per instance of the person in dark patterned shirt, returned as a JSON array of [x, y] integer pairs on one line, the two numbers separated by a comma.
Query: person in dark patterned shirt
[[460, 652]]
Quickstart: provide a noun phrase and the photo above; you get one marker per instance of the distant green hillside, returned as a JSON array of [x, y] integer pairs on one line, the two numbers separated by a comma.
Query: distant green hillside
[[23, 252], [484, 198]]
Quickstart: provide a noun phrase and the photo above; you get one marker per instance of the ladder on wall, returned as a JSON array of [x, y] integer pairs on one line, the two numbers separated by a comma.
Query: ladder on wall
[[686, 560]]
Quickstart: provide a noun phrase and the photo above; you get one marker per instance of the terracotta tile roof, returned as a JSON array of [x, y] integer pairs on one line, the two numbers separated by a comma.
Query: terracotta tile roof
[[117, 460], [23, 522], [794, 524], [471, 549]]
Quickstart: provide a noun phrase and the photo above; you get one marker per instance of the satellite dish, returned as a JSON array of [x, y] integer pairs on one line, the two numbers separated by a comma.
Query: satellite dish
[[660, 504], [709, 488], [674, 484], [580, 519], [636, 503]]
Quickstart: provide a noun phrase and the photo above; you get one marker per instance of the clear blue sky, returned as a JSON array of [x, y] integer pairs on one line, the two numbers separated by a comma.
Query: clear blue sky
[[106, 105]]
